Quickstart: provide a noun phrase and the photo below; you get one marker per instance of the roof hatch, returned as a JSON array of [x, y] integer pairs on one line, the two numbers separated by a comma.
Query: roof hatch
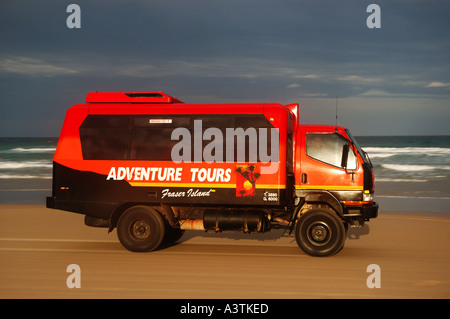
[[130, 97]]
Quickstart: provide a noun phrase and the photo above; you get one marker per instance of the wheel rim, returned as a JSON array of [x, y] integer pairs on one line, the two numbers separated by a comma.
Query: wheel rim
[[319, 233], [140, 229]]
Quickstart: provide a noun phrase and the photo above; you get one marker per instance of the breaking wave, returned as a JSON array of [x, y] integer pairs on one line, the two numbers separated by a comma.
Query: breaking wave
[[31, 150], [383, 152], [417, 168]]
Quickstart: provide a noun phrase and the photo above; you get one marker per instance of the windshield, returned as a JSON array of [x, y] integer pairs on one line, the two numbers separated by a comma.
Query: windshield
[[363, 154], [328, 148]]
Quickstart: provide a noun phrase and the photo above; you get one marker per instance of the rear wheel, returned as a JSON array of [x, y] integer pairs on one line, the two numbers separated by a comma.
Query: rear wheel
[[172, 235], [320, 232], [140, 228]]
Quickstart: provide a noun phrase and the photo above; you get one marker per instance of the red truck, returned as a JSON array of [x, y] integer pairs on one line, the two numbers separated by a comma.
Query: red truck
[[152, 167]]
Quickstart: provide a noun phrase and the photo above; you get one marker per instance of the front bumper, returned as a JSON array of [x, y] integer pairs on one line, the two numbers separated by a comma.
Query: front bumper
[[369, 211]]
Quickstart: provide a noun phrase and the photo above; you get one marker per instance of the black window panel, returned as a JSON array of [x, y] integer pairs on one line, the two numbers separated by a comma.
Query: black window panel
[[248, 148], [151, 144], [107, 121], [256, 121], [105, 137], [219, 121], [105, 143]]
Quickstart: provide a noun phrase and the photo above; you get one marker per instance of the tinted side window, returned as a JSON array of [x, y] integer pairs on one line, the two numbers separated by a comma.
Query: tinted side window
[[105, 137], [252, 124], [328, 148], [151, 136], [151, 144]]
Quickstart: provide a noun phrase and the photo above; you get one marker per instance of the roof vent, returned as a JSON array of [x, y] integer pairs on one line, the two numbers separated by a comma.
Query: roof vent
[[130, 97]]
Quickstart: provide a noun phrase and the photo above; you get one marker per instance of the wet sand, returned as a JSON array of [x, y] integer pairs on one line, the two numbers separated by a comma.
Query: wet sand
[[37, 244]]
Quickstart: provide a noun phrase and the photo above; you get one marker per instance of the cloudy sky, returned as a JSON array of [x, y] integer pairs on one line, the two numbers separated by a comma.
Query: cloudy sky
[[393, 80]]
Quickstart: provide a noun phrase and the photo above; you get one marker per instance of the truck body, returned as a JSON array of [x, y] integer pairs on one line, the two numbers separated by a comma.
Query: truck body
[[152, 166]]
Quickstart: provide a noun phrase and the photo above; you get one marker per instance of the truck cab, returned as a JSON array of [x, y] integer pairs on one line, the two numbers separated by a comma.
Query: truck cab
[[334, 177], [330, 161]]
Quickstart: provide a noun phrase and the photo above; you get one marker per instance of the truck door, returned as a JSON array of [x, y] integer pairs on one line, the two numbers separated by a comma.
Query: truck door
[[321, 165]]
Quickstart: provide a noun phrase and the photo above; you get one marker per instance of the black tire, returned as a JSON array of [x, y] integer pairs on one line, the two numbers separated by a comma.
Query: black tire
[[320, 232], [140, 228], [172, 235]]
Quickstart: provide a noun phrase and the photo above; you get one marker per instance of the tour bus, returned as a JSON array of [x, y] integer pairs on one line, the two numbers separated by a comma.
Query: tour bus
[[153, 166]]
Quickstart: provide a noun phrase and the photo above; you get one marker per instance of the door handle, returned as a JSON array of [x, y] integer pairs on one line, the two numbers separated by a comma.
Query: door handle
[[304, 178]]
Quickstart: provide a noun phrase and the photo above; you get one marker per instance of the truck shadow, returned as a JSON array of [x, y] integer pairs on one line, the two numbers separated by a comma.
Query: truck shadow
[[357, 232], [273, 235], [235, 235]]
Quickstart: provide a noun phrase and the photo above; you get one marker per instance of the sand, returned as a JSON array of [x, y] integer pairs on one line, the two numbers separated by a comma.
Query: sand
[[412, 251]]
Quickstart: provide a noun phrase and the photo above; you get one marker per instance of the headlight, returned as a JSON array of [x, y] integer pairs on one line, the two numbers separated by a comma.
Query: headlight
[[367, 196]]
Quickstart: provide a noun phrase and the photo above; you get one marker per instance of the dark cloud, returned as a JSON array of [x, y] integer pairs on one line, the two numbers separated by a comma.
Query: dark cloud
[[285, 51]]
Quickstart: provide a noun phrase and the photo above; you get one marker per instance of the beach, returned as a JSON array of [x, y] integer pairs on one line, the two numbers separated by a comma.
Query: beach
[[37, 245]]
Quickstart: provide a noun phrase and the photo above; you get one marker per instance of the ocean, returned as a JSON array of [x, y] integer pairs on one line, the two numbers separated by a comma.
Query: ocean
[[26, 169], [412, 173]]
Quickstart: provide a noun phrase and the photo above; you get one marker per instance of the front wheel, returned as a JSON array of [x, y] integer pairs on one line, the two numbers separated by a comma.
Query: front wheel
[[320, 232], [140, 228]]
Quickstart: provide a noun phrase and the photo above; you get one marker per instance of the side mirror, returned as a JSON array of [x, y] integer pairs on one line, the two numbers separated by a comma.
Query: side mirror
[[344, 160]]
